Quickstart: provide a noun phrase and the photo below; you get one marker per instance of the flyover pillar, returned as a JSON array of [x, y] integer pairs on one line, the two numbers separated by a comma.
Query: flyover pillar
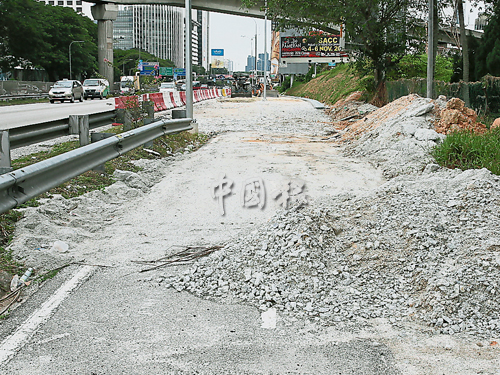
[[105, 14]]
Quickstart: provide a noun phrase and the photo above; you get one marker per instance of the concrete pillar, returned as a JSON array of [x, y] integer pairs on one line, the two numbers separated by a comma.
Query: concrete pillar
[[105, 14]]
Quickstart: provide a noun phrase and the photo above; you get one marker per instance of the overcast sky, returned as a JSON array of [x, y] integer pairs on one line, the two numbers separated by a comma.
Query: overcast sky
[[233, 34]]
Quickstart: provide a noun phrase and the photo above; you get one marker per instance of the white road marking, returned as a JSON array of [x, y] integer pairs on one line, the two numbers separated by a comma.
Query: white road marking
[[12, 344]]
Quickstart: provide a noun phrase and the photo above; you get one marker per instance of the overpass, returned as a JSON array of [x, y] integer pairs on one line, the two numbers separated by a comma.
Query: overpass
[[105, 12], [233, 7]]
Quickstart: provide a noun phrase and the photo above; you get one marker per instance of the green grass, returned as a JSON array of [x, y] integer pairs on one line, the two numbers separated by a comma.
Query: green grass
[[466, 150], [22, 101], [86, 182], [329, 86]]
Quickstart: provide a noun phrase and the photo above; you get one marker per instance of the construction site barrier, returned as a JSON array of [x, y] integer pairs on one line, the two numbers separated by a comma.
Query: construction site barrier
[[165, 101]]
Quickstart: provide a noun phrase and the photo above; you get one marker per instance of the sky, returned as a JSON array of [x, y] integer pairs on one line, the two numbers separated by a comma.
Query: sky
[[234, 34]]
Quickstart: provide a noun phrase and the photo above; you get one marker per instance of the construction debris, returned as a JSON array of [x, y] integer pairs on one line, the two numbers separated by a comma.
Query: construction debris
[[189, 254], [456, 116]]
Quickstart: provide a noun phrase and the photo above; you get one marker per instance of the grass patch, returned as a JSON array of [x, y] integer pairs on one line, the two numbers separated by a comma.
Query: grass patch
[[88, 181], [7, 225], [49, 275], [466, 150], [22, 101], [329, 86]]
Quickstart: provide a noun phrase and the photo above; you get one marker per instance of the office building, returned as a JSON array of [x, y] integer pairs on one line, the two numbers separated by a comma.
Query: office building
[[79, 6], [159, 30]]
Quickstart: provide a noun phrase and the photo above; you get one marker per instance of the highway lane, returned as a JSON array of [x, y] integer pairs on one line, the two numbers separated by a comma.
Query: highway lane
[[15, 116]]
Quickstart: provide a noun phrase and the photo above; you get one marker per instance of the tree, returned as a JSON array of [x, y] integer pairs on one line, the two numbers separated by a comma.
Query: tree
[[127, 61], [488, 53], [377, 29], [37, 35]]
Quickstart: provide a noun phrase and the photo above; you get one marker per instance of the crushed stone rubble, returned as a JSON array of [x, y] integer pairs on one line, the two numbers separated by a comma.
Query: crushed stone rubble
[[423, 250], [423, 247]]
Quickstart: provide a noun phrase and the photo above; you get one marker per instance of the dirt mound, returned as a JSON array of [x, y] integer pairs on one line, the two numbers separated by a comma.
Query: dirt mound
[[348, 110], [456, 116]]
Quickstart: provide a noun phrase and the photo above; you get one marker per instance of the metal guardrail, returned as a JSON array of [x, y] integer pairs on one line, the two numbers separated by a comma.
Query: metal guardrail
[[31, 134], [21, 185], [24, 96]]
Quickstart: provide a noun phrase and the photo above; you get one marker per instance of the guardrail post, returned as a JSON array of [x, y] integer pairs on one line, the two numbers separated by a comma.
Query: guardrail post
[[146, 122], [96, 137], [181, 113], [5, 161], [150, 108], [79, 124]]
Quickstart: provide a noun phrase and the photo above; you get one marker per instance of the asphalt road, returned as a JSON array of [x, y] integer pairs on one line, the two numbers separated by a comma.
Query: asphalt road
[[15, 116]]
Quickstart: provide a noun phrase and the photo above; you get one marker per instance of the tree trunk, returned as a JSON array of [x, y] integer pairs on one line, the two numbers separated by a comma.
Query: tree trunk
[[465, 51]]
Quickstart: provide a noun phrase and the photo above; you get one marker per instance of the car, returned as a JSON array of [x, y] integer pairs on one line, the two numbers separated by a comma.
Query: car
[[166, 87], [95, 88], [66, 89], [183, 87]]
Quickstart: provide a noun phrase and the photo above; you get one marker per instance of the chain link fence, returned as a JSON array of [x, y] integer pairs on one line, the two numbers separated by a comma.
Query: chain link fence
[[484, 96]]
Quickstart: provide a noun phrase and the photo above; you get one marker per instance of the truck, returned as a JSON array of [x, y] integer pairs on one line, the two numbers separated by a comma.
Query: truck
[[129, 84]]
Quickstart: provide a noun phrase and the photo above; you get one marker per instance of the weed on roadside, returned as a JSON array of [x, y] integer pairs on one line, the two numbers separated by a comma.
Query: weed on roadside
[[91, 180], [466, 150], [4, 103]]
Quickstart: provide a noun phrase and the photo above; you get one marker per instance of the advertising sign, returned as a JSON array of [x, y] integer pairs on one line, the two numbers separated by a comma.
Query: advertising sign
[[311, 46], [217, 52], [217, 58], [275, 55]]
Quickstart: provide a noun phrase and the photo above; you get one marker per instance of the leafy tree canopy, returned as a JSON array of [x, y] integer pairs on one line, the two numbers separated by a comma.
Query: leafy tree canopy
[[125, 62], [415, 66], [33, 34], [379, 30], [488, 53]]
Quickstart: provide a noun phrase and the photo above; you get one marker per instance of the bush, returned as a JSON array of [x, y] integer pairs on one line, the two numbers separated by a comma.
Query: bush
[[466, 150], [415, 66]]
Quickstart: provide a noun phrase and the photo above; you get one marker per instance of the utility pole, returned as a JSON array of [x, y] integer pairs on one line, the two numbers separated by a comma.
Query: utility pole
[[189, 75], [431, 59], [265, 50], [74, 41]]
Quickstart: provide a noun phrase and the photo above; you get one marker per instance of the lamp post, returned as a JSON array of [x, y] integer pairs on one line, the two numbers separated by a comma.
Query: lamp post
[[265, 51], [123, 67], [256, 80], [74, 41]]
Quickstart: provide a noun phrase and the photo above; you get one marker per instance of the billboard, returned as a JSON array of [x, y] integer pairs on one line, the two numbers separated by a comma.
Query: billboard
[[311, 46], [275, 55], [217, 58]]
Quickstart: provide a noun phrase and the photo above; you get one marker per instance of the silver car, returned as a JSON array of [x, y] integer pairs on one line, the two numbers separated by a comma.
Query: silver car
[[67, 89]]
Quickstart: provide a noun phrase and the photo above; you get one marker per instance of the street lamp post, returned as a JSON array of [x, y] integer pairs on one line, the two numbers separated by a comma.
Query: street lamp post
[[123, 67], [74, 41], [265, 51]]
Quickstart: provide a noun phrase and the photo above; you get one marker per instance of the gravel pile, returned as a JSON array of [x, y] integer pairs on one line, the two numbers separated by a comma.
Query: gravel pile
[[425, 246], [398, 137], [425, 249]]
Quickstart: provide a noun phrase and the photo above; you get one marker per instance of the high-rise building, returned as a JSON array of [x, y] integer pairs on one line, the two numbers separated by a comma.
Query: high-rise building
[[250, 67], [159, 30], [260, 62], [229, 65], [79, 6]]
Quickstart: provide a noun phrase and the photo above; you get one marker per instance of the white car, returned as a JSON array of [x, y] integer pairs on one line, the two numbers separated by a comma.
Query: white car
[[95, 88], [166, 87]]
